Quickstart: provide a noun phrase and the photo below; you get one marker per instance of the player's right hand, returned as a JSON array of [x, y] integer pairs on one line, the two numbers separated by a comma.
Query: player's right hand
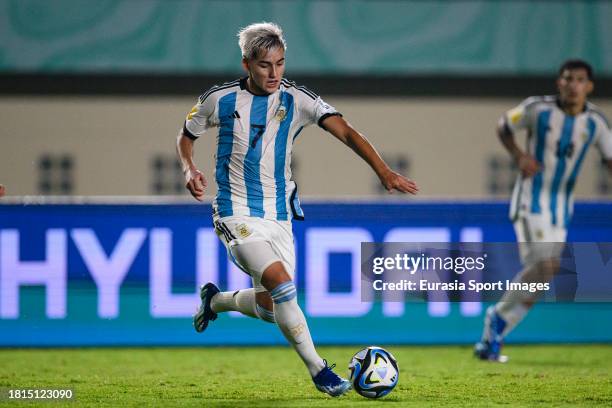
[[196, 183], [528, 165]]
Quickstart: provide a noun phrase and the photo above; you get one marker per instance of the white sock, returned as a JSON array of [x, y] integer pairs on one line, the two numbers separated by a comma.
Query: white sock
[[242, 301], [292, 323], [512, 307]]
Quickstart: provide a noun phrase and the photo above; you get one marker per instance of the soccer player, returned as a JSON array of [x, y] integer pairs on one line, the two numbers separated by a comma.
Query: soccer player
[[259, 117], [560, 130]]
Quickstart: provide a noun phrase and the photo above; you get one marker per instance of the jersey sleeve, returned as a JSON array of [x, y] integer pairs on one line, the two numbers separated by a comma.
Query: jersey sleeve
[[201, 117], [518, 118], [314, 109], [604, 141]]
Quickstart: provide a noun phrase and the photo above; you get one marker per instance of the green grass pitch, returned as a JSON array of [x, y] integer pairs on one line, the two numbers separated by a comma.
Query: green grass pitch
[[550, 375]]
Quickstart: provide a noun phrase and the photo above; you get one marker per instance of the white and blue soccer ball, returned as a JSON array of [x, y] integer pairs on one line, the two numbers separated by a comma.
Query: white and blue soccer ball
[[373, 372]]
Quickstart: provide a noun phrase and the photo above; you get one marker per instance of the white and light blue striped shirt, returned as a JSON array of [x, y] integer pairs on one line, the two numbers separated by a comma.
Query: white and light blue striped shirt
[[254, 144], [559, 142]]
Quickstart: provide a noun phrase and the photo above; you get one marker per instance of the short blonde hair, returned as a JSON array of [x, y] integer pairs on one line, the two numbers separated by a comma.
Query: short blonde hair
[[258, 37]]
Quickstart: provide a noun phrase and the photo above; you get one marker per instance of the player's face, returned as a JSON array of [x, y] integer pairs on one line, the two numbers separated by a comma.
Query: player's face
[[266, 71], [574, 86]]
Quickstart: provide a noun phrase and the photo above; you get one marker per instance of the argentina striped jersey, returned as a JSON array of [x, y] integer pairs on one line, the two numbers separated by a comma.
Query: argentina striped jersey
[[559, 142], [254, 144]]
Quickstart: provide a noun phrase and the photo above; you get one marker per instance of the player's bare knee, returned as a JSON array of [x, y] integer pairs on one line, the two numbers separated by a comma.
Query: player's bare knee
[[274, 275], [547, 269], [279, 284], [552, 265]]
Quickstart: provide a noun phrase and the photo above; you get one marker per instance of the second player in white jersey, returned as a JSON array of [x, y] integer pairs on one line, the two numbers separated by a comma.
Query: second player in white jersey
[[560, 131], [559, 142], [255, 140]]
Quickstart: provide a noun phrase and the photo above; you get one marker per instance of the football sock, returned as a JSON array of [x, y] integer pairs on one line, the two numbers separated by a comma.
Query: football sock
[[292, 323], [242, 301], [512, 313], [514, 305], [265, 314]]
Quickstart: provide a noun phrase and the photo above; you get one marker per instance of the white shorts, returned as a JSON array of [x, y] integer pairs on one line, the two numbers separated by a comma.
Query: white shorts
[[538, 238], [240, 229]]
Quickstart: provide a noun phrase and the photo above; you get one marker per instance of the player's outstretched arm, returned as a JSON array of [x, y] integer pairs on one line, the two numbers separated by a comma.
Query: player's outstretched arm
[[341, 129], [526, 163], [194, 179]]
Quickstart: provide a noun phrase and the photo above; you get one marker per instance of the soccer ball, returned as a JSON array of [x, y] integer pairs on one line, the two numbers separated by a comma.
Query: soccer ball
[[373, 372]]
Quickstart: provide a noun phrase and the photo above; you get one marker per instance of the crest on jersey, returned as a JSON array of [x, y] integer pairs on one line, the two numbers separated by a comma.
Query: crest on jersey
[[281, 113], [585, 137], [243, 230]]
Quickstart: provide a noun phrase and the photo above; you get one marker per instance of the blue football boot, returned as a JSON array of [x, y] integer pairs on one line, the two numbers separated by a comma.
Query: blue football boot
[[205, 314], [489, 348], [331, 383]]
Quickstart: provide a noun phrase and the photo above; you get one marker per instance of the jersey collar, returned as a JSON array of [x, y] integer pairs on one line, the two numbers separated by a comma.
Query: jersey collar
[[243, 86], [558, 102]]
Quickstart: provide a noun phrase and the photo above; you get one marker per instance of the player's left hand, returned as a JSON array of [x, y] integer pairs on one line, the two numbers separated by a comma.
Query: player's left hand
[[195, 183], [395, 181]]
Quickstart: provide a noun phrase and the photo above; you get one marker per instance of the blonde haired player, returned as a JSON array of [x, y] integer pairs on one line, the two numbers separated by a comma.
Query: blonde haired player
[[259, 117]]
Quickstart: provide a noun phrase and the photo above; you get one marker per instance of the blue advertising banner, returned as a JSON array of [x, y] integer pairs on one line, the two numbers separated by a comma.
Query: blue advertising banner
[[78, 275]]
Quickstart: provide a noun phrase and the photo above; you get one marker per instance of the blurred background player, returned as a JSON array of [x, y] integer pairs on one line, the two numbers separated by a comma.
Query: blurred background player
[[258, 118], [560, 129]]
